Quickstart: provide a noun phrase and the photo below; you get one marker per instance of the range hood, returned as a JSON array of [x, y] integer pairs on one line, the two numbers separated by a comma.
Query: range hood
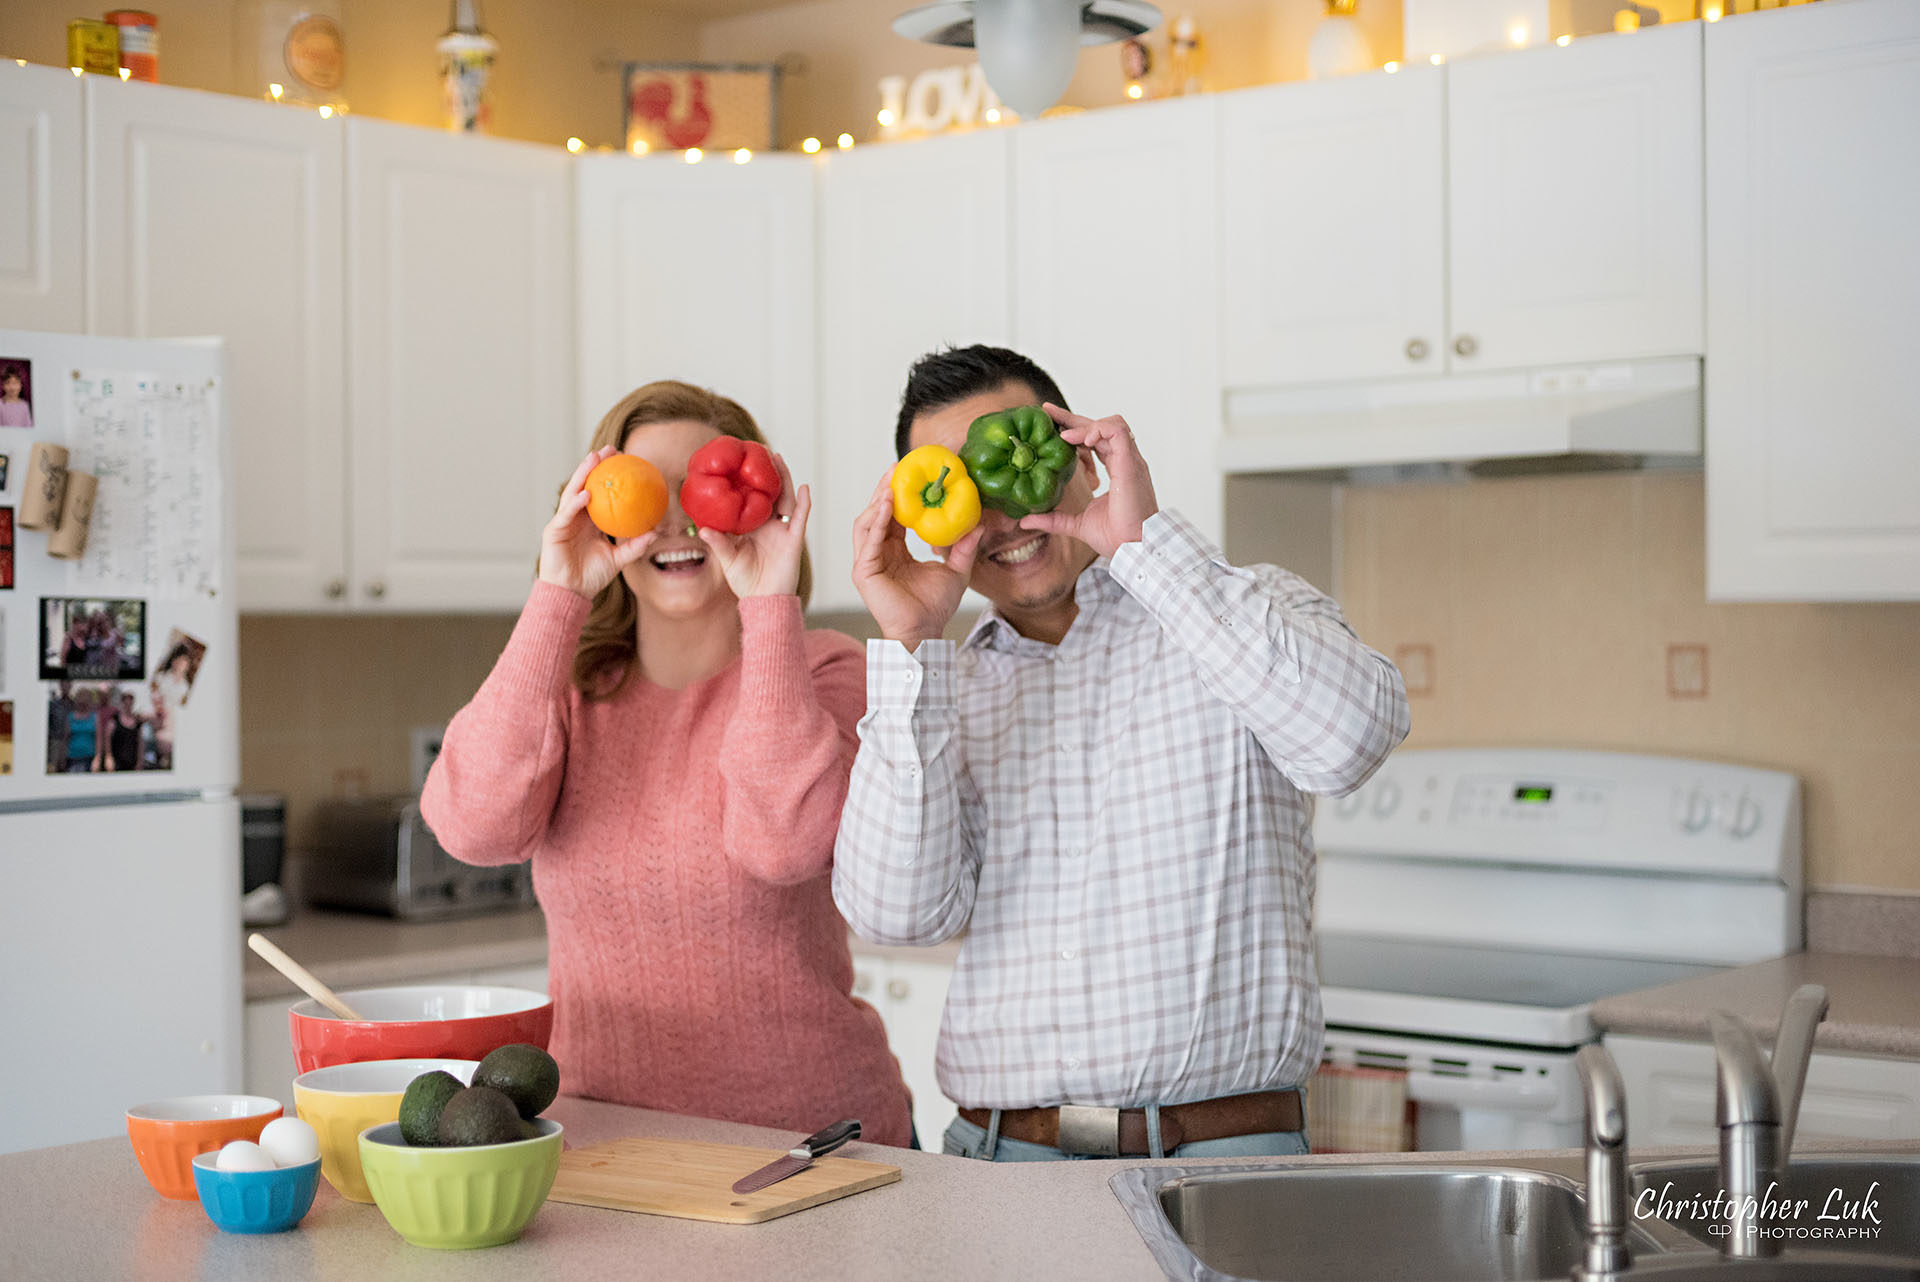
[[1571, 418]]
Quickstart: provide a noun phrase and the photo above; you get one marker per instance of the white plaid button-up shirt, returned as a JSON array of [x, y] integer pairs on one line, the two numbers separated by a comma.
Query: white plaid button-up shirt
[[1122, 820]]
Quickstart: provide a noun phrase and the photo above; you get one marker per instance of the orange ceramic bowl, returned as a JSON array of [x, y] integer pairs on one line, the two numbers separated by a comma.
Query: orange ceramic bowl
[[168, 1133], [442, 1021]]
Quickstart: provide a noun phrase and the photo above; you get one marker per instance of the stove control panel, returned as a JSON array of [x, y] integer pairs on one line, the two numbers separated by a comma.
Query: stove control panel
[[1573, 809]]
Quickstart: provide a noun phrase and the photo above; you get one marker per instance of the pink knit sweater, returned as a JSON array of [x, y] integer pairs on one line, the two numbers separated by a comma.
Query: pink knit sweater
[[681, 844]]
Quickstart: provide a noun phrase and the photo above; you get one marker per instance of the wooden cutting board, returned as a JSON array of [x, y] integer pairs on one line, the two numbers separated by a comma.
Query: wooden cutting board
[[694, 1181]]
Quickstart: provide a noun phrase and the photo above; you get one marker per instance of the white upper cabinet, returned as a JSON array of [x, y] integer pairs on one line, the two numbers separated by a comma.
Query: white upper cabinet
[[42, 201], [1333, 247], [461, 414], [701, 273], [913, 258], [220, 216], [1574, 201], [1114, 270], [1813, 287]]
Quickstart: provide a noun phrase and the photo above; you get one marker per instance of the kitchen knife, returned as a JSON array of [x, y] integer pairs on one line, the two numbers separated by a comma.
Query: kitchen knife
[[799, 1158]]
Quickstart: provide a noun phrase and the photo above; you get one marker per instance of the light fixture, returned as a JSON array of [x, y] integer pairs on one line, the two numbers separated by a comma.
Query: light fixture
[[742, 156], [1027, 48], [1517, 34], [1563, 41], [638, 147], [575, 146], [1391, 67], [810, 146], [326, 112], [692, 155], [126, 73], [274, 91], [846, 142]]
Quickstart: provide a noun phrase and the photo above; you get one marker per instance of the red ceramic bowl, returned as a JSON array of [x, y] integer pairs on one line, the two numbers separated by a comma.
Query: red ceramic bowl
[[444, 1021]]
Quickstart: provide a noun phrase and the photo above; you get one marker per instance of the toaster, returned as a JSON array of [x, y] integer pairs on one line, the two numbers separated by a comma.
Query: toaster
[[376, 855]]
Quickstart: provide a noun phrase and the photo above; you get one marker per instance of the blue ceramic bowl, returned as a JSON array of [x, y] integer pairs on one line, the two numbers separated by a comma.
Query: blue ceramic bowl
[[255, 1201]]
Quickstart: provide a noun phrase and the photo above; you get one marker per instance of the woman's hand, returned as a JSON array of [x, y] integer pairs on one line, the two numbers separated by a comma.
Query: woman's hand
[[574, 554], [766, 561], [911, 600]]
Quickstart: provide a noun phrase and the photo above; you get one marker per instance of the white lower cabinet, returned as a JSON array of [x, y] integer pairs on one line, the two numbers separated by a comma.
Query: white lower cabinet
[[1670, 1094], [910, 996]]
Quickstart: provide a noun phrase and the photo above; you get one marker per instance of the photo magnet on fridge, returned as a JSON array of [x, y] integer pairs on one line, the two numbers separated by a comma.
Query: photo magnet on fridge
[[88, 639], [104, 727], [6, 738], [6, 469], [6, 549], [16, 392]]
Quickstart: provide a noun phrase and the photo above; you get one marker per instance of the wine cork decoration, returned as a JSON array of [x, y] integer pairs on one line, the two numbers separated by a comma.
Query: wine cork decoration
[[76, 515], [46, 487]]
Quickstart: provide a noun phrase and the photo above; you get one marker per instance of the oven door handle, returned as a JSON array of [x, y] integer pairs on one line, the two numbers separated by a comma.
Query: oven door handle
[[1527, 1093]]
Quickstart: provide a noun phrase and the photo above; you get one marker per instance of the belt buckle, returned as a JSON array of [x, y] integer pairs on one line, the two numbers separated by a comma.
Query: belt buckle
[[1089, 1131]]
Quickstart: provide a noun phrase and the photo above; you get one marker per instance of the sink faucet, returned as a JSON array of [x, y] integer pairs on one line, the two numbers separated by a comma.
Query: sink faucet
[[1606, 1096], [1757, 1108]]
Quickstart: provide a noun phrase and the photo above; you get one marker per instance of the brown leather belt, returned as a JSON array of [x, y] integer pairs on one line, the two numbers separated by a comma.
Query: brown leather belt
[[1110, 1132]]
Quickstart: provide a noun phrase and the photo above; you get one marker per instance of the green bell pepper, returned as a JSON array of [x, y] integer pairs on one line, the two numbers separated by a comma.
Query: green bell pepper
[[1018, 461]]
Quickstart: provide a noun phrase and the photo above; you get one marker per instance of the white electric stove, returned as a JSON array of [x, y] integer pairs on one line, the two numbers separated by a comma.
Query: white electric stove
[[1474, 903]]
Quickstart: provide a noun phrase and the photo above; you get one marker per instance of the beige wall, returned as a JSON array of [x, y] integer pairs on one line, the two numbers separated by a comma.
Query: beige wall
[[546, 85], [1548, 605], [847, 46]]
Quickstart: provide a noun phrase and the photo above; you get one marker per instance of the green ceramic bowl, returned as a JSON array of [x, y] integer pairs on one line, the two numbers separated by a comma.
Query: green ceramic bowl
[[456, 1198]]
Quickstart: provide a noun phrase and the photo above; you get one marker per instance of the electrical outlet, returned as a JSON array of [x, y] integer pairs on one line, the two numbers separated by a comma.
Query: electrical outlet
[[1416, 667], [425, 747], [1686, 672]]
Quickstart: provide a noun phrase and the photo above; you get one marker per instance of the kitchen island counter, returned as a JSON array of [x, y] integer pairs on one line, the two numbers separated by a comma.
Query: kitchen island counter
[[84, 1211]]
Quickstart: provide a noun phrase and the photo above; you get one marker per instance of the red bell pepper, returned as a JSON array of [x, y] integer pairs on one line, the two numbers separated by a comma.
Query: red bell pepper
[[731, 485]]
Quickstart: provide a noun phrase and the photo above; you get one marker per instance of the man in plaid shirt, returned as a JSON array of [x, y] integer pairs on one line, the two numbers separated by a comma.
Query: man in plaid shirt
[[1106, 785]]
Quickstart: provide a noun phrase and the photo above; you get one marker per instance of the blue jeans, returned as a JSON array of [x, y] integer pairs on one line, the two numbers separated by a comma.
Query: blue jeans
[[964, 1139]]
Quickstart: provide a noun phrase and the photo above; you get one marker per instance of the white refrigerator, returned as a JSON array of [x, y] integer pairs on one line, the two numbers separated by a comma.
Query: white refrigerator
[[120, 943]]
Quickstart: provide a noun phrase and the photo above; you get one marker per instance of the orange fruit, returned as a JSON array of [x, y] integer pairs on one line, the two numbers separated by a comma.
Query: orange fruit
[[626, 495]]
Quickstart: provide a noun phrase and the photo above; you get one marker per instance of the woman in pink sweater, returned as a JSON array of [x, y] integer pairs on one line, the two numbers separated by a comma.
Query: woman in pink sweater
[[670, 748]]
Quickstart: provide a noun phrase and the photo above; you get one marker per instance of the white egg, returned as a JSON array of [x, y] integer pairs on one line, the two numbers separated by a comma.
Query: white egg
[[290, 1141], [244, 1155]]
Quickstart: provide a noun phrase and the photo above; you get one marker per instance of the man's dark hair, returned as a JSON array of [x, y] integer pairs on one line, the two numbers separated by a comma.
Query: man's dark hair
[[945, 378]]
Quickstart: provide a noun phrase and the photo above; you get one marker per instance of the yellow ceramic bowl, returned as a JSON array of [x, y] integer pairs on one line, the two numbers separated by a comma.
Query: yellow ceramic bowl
[[454, 1198], [341, 1101]]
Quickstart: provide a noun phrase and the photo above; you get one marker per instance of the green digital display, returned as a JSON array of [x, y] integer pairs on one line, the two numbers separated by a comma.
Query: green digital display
[[1533, 792]]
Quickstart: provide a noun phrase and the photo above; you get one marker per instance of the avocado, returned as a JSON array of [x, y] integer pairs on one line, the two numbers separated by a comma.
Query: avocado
[[479, 1115], [420, 1107], [525, 1074]]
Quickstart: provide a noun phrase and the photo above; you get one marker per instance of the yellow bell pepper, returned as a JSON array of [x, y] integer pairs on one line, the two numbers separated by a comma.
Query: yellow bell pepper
[[934, 497]]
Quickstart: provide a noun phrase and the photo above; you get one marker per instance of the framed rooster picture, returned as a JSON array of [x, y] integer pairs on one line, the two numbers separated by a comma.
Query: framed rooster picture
[[672, 106]]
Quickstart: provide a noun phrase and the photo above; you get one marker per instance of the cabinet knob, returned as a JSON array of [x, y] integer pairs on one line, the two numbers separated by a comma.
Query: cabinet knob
[[376, 589], [1466, 345], [1416, 349], [897, 989], [862, 982], [335, 589]]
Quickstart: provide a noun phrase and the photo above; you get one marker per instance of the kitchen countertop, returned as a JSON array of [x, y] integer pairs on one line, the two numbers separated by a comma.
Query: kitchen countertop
[[356, 950], [84, 1211], [1874, 1002]]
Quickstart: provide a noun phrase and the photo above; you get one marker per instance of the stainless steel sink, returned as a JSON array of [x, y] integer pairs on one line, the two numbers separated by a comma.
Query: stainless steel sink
[[1328, 1224], [1489, 1221], [1866, 1205]]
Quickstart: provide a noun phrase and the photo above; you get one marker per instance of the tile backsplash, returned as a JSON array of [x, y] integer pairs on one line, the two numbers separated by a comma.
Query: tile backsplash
[[1572, 611], [1567, 611]]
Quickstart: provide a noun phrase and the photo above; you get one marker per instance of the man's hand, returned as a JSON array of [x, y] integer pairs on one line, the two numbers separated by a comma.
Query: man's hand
[[911, 600], [1116, 516]]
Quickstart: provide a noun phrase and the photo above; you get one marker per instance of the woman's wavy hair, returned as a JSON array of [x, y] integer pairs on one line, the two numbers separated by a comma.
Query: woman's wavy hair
[[609, 643]]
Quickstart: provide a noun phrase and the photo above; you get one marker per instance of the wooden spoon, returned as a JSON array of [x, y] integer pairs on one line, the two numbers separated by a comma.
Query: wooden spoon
[[300, 975]]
